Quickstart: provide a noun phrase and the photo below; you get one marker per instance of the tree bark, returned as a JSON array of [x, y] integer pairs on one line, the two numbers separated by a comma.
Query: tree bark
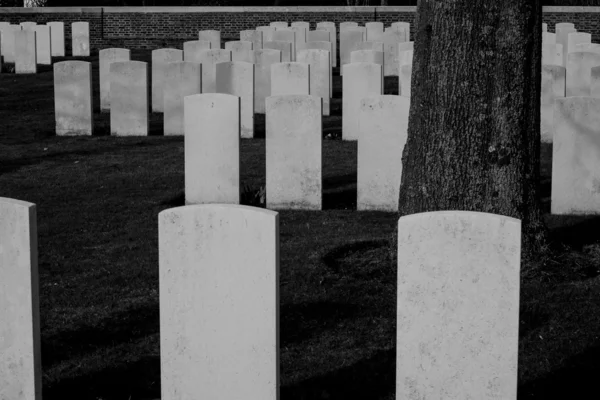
[[474, 123]]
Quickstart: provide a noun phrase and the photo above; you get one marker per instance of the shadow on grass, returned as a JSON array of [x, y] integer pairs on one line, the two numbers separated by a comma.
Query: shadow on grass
[[335, 199], [575, 379], [574, 231], [373, 378], [334, 259]]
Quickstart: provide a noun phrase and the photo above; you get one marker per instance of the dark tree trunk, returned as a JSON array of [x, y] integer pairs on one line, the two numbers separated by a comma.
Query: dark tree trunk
[[474, 126]]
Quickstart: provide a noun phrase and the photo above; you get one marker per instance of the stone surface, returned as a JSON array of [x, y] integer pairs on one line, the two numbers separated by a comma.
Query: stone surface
[[575, 38], [290, 78], [285, 48], [405, 80], [192, 50], [294, 152], [212, 149], [548, 38], [160, 59], [106, 57], [208, 59], [562, 36], [348, 39], [279, 24], [57, 38], [391, 40], [552, 54], [553, 86], [80, 35], [262, 76], [212, 36], [237, 78], [182, 78], [241, 51], [347, 25], [7, 42], [219, 309], [320, 74], [27, 25], [590, 47], [43, 45], [25, 52], [360, 80], [300, 39], [383, 124], [20, 344], [331, 28], [318, 36], [286, 35], [403, 27], [576, 156], [579, 72], [458, 306], [267, 32], [377, 46], [327, 46], [254, 36], [129, 98], [374, 31], [544, 27], [595, 87], [367, 56], [73, 106]]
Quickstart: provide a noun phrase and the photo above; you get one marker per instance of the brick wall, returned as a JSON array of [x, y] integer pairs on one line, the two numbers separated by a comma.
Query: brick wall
[[155, 27]]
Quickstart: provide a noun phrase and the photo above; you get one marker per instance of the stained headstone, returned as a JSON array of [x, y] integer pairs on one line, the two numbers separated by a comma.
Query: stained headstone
[[25, 52], [57, 38], [553, 87], [383, 124], [73, 106], [20, 344], [212, 148], [80, 35], [254, 36], [458, 306], [212, 36], [360, 80], [264, 58], [43, 45], [208, 59], [219, 309], [579, 72], [289, 78], [294, 143], [391, 46], [160, 59], [106, 57], [320, 75], [237, 78], [182, 78], [240, 51], [129, 98], [285, 48]]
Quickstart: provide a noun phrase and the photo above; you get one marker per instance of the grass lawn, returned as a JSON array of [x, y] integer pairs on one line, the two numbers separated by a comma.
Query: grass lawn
[[97, 203]]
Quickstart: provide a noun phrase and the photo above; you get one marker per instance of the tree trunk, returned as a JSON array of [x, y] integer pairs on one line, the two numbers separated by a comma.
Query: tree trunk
[[474, 125]]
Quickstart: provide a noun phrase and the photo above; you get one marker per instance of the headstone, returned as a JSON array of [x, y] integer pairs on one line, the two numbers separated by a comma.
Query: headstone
[[57, 38], [579, 72], [374, 31], [552, 54], [391, 46], [264, 58], [193, 49], [237, 79], [219, 302], [562, 36], [377, 46], [182, 78], [595, 82], [548, 38], [286, 35], [564, 25], [544, 27], [331, 28], [240, 51], [348, 39], [590, 47], [458, 306], [279, 24], [320, 75], [20, 344], [405, 57], [360, 80], [7, 42], [347, 25], [209, 59], [294, 143], [73, 106], [267, 32], [402, 27], [301, 24], [129, 98], [80, 33], [285, 48], [289, 78], [383, 124], [160, 59], [575, 38], [553, 87], [254, 36], [327, 46], [25, 52], [212, 36], [212, 149], [42, 44], [27, 25], [575, 185], [300, 38], [405, 80], [367, 56], [106, 57], [318, 36]]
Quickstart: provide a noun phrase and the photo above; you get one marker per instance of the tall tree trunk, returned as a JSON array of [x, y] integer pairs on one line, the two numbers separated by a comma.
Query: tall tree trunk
[[474, 125]]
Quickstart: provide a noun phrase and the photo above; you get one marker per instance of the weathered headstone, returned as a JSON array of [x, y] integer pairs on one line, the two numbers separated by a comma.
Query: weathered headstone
[[405, 80], [552, 54], [402, 27], [300, 38], [576, 156], [367, 56], [331, 28], [237, 78], [294, 143], [212, 36], [383, 124], [57, 38], [318, 36], [562, 36], [285, 48], [240, 51], [289, 78], [212, 148], [129, 98], [106, 57], [579, 72], [458, 306], [327, 46], [73, 106], [27, 25], [209, 59], [254, 36], [20, 344], [219, 302], [264, 58], [286, 35], [267, 33], [553, 87], [348, 39], [160, 59], [374, 31], [80, 35], [320, 74], [182, 78], [360, 80], [575, 38], [391, 46], [25, 52], [193, 49], [43, 45], [7, 42]]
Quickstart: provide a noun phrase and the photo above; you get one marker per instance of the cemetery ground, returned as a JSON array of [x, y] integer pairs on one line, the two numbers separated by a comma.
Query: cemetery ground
[[98, 199]]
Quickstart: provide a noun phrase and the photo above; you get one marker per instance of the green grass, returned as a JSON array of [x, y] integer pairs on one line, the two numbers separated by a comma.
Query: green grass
[[98, 200]]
